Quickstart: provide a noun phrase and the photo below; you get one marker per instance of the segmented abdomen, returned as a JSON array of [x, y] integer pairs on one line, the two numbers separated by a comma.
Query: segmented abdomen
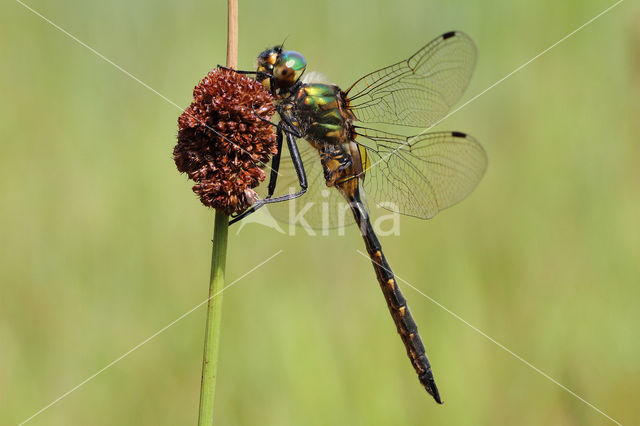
[[406, 326]]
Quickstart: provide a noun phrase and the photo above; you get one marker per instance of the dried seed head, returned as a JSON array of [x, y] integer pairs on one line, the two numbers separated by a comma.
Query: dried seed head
[[222, 144]]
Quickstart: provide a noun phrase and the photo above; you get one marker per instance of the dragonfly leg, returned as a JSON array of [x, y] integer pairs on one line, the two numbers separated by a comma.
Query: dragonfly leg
[[273, 178], [302, 179], [266, 120], [260, 75], [275, 165], [290, 127], [285, 124]]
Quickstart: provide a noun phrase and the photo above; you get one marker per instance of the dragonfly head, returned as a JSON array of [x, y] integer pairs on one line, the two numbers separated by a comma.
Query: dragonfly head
[[282, 67]]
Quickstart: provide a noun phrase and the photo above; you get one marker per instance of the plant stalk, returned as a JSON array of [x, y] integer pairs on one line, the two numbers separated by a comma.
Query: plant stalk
[[218, 261], [214, 317]]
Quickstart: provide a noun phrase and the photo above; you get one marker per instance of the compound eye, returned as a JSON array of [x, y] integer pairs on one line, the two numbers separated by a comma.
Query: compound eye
[[291, 65], [293, 60]]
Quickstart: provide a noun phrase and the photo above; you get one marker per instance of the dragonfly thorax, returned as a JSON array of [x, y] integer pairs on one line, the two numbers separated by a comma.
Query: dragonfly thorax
[[322, 114]]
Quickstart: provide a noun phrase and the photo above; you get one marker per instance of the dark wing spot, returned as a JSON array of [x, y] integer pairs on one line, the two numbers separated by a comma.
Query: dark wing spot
[[458, 135], [448, 35]]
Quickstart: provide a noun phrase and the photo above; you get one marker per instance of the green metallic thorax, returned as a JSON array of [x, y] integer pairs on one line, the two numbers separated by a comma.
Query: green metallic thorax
[[323, 118]]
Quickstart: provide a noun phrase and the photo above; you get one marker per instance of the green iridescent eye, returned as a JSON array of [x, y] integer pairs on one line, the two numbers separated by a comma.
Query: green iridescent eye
[[293, 60]]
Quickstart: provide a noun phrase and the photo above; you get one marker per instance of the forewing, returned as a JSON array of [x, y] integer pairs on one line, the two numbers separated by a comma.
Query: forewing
[[420, 90]]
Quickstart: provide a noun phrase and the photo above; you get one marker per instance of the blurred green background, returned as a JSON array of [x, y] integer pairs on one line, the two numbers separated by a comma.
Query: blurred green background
[[103, 242]]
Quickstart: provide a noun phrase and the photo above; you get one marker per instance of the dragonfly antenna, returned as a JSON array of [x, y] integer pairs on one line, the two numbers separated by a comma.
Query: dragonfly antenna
[[282, 45]]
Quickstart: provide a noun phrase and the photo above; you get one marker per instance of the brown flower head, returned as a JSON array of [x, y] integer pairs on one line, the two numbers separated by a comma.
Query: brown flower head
[[222, 144]]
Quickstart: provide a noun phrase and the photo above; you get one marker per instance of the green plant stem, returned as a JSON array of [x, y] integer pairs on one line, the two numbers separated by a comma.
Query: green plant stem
[[218, 261], [214, 316]]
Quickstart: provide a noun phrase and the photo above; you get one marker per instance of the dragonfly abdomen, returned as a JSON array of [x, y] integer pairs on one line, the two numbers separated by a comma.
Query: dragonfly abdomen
[[397, 304]]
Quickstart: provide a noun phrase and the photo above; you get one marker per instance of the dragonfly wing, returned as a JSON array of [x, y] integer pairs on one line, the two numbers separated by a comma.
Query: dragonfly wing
[[420, 90], [421, 175]]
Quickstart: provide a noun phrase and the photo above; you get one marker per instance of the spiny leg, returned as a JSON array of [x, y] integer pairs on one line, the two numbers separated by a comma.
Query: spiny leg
[[285, 124], [262, 74], [288, 124], [275, 165], [302, 180], [299, 166], [273, 177]]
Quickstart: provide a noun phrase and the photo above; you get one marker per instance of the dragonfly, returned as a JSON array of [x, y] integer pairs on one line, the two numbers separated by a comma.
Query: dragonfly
[[407, 172]]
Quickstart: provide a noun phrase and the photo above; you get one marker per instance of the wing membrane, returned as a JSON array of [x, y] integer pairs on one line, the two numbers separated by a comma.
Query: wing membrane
[[420, 90], [421, 175]]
